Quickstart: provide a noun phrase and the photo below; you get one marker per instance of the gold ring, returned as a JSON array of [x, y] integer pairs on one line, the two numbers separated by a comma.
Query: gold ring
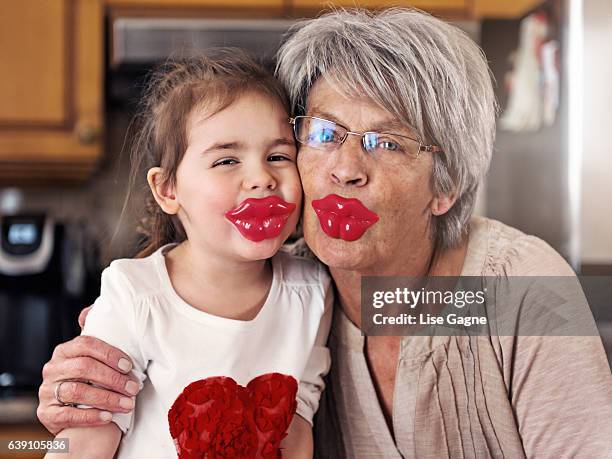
[[57, 395]]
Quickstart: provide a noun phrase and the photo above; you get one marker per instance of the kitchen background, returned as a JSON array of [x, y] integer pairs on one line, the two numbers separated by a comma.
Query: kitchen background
[[72, 71]]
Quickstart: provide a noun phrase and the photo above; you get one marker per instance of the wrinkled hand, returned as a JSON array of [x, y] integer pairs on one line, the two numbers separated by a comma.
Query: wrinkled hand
[[81, 360]]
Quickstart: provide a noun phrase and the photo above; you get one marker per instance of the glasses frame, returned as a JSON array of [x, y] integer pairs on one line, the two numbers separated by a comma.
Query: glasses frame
[[422, 148]]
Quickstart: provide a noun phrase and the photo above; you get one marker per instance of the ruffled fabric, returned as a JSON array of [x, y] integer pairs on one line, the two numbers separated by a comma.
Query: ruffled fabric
[[451, 399]]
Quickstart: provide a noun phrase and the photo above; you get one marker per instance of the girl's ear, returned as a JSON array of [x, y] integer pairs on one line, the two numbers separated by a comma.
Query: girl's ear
[[441, 204], [163, 194]]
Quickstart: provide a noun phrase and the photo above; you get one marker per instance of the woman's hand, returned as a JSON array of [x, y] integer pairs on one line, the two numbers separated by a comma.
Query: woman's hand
[[73, 365]]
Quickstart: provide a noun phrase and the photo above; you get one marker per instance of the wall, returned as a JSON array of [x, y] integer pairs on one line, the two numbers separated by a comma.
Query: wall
[[596, 199]]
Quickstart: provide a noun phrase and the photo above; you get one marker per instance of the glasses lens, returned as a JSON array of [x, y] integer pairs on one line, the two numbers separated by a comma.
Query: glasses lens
[[370, 141], [316, 133], [375, 142]]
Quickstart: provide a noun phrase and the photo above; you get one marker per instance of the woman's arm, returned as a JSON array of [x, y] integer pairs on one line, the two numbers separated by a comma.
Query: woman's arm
[[562, 396], [115, 322], [83, 359], [298, 442], [559, 378], [90, 442]]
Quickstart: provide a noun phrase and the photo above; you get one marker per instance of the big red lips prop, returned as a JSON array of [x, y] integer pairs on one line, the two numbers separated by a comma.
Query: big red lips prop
[[259, 219], [343, 218], [218, 418]]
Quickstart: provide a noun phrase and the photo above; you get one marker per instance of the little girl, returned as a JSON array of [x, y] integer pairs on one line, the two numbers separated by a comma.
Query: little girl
[[227, 334]]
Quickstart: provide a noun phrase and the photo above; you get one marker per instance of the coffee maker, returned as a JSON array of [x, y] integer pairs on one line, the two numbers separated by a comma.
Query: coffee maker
[[47, 275]]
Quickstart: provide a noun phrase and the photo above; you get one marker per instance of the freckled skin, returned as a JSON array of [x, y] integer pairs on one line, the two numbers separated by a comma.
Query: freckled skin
[[395, 186]]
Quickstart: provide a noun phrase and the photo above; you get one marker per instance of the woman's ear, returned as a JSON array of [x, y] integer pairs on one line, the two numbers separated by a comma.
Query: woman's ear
[[163, 193], [442, 204]]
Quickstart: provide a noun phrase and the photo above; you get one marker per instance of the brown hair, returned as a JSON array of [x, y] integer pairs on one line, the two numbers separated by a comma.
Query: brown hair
[[212, 81]]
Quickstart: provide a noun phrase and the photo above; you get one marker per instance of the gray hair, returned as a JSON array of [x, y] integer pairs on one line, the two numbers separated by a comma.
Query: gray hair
[[426, 72]]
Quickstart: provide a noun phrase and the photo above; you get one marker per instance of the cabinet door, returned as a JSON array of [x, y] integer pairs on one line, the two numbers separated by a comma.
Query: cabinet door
[[51, 89], [225, 4], [28, 432], [427, 5], [497, 9]]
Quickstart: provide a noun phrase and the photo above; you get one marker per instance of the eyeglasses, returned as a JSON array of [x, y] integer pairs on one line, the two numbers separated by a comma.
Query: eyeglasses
[[327, 135]]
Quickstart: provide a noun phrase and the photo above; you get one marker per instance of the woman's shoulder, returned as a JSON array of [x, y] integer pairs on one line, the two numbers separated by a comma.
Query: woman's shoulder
[[495, 248]]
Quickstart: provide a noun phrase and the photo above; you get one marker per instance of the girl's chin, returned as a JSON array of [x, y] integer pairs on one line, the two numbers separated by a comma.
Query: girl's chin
[[260, 250]]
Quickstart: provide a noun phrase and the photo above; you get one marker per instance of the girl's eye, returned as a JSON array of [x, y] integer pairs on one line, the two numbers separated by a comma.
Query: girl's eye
[[224, 162], [278, 158]]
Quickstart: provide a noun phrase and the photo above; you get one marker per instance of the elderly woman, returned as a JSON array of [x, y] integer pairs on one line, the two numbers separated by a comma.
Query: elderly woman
[[396, 121]]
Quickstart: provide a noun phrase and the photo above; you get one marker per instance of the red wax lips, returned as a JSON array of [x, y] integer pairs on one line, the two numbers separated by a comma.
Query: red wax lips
[[259, 219], [343, 218]]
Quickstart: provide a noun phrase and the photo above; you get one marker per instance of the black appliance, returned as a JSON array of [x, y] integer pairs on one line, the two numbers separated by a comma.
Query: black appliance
[[46, 277]]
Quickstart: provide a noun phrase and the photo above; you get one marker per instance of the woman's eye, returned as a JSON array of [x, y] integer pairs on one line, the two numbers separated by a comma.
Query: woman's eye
[[224, 162], [388, 145]]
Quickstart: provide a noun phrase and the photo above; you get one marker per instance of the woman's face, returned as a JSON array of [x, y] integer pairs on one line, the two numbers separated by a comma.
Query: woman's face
[[395, 186]]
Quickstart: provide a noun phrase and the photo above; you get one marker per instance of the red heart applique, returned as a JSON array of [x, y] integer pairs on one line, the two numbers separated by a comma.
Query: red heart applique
[[217, 417]]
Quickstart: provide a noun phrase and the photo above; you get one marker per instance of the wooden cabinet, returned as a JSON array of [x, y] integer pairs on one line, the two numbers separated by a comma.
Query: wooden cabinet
[[26, 432], [51, 90], [467, 9], [502, 9], [52, 54], [458, 6], [195, 3], [197, 8]]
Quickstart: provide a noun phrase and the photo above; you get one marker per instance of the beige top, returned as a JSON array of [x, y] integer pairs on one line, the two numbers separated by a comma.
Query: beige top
[[476, 396]]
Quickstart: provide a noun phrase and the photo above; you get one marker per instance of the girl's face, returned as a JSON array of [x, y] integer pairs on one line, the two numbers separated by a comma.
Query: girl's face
[[243, 152]]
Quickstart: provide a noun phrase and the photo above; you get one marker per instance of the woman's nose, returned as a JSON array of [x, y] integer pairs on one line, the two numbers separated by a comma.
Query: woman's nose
[[260, 178], [349, 168]]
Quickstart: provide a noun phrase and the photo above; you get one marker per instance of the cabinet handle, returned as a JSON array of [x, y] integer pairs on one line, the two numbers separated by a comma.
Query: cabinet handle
[[87, 133]]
